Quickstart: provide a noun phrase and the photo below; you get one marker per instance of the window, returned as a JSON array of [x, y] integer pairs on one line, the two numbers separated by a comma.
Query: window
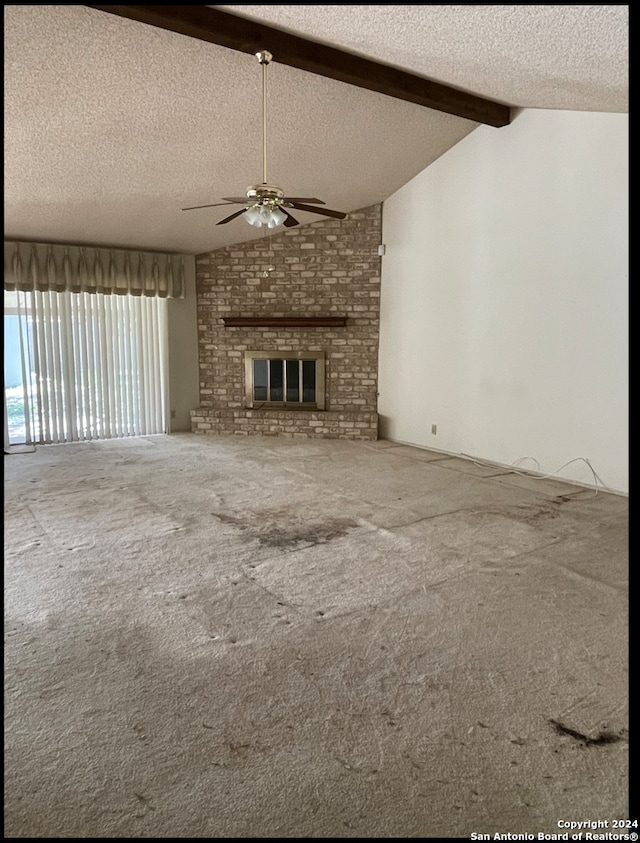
[[83, 366], [287, 380]]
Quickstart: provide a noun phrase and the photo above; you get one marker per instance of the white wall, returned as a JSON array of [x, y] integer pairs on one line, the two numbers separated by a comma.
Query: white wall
[[504, 305], [183, 353]]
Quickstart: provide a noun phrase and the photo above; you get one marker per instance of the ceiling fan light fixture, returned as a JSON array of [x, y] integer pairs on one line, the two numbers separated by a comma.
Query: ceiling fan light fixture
[[277, 217], [252, 216], [269, 215]]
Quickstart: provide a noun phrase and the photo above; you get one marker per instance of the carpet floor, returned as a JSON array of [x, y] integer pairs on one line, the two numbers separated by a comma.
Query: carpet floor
[[256, 637]]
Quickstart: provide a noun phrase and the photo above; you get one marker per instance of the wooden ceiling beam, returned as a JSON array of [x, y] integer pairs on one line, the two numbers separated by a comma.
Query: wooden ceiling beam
[[250, 36]]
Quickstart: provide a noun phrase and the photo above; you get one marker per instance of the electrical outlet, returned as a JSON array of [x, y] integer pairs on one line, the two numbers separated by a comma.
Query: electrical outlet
[[434, 429]]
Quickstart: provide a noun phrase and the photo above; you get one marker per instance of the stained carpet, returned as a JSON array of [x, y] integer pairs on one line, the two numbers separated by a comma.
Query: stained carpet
[[259, 637]]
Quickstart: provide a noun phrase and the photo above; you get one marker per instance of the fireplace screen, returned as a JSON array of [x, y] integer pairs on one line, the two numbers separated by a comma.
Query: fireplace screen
[[287, 380]]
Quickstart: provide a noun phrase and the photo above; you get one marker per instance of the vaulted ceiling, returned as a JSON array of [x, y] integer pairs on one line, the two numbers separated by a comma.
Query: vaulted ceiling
[[117, 117]]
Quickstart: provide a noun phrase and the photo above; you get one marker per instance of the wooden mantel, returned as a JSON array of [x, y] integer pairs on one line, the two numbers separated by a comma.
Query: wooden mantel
[[284, 321]]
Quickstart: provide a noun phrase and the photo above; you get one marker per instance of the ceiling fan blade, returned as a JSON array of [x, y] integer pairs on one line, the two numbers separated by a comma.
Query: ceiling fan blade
[[215, 205], [232, 217], [325, 211], [303, 199], [235, 199], [290, 221]]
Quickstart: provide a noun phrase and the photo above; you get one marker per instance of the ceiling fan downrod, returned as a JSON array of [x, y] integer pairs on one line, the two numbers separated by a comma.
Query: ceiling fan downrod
[[264, 57]]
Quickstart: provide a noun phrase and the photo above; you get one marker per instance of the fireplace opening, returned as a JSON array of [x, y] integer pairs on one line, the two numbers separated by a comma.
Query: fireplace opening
[[285, 380]]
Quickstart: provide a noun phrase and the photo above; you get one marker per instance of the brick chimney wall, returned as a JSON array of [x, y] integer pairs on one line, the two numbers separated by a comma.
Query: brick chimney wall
[[325, 268]]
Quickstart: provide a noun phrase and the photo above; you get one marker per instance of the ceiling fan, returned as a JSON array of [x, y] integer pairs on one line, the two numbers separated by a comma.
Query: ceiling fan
[[266, 204]]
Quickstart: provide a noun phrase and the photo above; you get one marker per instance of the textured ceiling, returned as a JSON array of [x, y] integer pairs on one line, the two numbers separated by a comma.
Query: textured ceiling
[[112, 126]]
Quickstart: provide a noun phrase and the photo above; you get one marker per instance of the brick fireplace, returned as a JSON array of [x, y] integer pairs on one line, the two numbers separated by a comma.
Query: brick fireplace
[[306, 294]]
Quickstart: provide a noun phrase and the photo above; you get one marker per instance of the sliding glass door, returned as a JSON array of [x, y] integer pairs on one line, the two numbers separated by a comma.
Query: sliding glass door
[[81, 366], [19, 378]]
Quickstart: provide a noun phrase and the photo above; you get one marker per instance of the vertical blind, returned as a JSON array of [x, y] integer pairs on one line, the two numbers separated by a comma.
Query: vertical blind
[[93, 366]]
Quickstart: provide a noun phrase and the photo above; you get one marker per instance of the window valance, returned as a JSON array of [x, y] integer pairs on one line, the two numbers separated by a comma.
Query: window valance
[[85, 269]]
